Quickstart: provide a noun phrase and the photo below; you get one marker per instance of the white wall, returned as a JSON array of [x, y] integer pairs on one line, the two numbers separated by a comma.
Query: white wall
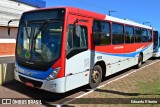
[[9, 10], [12, 10]]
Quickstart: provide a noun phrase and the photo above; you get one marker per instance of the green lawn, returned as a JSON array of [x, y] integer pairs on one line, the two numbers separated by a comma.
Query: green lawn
[[152, 88], [144, 83]]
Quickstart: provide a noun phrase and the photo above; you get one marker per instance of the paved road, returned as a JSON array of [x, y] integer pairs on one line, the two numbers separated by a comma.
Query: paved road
[[19, 90]]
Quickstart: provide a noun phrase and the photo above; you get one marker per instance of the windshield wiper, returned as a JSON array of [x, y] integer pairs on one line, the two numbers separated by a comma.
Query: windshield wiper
[[43, 26], [26, 30]]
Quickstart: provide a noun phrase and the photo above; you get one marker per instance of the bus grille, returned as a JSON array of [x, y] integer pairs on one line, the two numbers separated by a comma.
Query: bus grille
[[35, 83]]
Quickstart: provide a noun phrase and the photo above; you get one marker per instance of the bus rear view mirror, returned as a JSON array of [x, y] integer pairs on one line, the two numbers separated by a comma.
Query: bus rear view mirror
[[9, 29]]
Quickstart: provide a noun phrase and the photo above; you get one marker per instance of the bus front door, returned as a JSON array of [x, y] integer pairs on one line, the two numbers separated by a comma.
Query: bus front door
[[77, 66]]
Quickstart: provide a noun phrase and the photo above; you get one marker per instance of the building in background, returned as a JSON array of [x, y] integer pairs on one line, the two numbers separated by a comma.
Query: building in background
[[12, 9], [35, 3]]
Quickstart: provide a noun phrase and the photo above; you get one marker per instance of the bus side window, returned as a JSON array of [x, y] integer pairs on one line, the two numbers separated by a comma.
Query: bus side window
[[138, 34], [101, 33], [77, 39], [117, 34], [144, 35], [129, 34]]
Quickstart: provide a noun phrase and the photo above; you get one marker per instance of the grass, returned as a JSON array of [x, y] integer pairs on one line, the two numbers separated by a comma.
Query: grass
[[152, 88], [145, 83]]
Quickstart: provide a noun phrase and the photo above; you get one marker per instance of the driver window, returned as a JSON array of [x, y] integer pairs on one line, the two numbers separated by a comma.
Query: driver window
[[77, 37]]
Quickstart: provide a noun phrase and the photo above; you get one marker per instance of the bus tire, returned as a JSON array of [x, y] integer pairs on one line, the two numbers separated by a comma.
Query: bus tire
[[96, 76], [140, 61]]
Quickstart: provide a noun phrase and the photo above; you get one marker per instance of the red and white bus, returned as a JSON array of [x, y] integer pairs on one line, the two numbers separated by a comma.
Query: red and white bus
[[60, 49]]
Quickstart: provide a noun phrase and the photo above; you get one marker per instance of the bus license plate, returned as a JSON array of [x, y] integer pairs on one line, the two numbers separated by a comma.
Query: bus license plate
[[29, 84]]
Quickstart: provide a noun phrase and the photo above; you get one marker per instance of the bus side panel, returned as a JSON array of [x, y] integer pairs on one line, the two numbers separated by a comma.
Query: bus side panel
[[112, 55], [144, 48], [116, 59], [78, 66], [77, 70], [131, 57], [148, 51]]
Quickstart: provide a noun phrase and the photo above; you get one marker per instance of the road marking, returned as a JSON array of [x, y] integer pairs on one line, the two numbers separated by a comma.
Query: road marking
[[64, 103]]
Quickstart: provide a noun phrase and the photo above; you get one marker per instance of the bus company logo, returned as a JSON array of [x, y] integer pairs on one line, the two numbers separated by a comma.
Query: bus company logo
[[118, 47]]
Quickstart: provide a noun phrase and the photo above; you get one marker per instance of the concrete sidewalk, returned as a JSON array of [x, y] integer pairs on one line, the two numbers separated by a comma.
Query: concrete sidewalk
[[6, 69]]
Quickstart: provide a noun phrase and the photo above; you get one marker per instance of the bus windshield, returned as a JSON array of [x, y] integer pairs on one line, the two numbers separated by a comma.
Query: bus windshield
[[39, 36]]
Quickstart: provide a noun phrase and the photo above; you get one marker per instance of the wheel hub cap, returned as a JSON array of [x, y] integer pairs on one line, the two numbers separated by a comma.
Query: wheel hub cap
[[95, 76]]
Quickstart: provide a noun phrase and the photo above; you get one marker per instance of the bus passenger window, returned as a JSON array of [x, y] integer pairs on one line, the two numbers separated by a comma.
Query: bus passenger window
[[138, 34], [129, 35], [117, 34], [101, 33], [144, 35]]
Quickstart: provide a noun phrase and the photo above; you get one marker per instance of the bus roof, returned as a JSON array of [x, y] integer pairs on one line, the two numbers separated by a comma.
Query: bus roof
[[96, 16], [126, 22]]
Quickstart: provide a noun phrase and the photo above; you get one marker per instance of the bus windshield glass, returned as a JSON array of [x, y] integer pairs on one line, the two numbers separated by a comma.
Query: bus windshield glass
[[39, 36]]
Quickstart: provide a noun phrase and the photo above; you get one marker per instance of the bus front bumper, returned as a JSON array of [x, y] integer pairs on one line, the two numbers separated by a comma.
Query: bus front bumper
[[56, 85]]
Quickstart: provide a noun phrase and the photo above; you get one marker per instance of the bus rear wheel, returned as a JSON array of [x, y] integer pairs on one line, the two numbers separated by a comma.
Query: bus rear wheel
[[140, 61], [96, 76]]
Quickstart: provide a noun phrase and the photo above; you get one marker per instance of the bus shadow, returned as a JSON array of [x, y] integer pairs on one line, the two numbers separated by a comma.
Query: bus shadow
[[124, 93], [154, 58], [43, 95]]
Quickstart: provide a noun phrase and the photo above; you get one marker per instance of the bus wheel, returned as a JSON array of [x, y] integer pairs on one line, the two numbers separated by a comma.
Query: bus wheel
[[96, 76], [140, 61]]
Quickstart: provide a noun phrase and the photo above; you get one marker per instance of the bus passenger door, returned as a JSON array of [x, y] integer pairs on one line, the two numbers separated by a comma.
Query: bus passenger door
[[77, 52]]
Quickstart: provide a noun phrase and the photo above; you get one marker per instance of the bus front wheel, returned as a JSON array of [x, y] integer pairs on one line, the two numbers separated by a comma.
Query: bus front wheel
[[96, 76]]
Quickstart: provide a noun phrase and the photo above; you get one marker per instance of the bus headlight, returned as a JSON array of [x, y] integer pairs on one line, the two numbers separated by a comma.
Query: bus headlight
[[53, 74]]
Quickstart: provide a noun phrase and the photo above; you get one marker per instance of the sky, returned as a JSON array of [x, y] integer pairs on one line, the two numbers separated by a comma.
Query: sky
[[136, 10]]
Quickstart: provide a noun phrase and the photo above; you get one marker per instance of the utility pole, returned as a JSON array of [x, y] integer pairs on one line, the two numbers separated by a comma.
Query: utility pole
[[109, 12]]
